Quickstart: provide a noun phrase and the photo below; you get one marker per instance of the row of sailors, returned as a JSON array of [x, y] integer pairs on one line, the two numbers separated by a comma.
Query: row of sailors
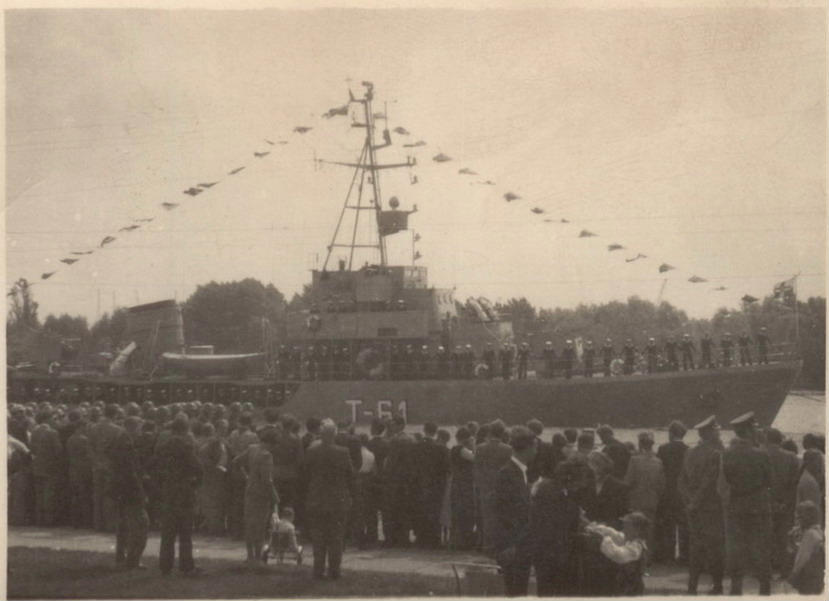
[[320, 362]]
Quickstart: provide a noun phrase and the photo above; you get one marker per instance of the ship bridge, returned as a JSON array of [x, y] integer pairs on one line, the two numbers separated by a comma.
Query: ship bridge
[[375, 301]]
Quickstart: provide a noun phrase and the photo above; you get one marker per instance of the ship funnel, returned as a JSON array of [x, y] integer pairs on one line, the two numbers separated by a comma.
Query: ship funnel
[[156, 328]]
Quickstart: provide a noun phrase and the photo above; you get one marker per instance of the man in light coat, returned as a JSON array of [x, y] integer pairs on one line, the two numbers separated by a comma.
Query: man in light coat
[[645, 479]]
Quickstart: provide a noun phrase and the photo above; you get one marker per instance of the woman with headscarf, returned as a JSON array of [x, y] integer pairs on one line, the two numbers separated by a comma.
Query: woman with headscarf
[[256, 463]]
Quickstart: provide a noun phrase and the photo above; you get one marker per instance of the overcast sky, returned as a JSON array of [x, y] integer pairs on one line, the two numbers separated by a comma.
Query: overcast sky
[[694, 136]]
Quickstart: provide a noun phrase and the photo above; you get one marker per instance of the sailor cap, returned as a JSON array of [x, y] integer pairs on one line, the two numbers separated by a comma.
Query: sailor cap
[[708, 422], [746, 419]]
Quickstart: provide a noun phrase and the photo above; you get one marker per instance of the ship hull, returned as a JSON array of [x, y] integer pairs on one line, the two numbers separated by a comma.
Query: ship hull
[[636, 401]]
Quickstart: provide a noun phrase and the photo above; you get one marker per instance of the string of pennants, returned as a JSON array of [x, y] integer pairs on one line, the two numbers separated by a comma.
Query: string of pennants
[[440, 158]]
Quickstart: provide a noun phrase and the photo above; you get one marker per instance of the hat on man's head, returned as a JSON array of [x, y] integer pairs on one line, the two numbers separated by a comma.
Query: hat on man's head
[[744, 421], [709, 422]]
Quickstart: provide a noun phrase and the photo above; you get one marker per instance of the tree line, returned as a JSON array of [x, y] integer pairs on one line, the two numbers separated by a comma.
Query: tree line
[[239, 316]]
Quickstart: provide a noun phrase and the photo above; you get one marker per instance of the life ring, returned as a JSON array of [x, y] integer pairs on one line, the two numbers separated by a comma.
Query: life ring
[[617, 366], [313, 323], [369, 363]]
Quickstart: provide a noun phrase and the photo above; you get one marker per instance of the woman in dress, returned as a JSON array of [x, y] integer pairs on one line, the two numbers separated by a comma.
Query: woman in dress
[[256, 463]]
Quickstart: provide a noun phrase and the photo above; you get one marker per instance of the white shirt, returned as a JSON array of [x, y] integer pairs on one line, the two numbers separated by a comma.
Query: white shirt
[[368, 461], [523, 467]]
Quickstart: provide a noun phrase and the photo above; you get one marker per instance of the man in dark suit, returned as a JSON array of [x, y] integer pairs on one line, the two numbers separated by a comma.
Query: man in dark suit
[[671, 524], [490, 457], [330, 492], [512, 514], [130, 499], [616, 450], [605, 500], [698, 488], [398, 474], [553, 528], [744, 485], [180, 473], [432, 465]]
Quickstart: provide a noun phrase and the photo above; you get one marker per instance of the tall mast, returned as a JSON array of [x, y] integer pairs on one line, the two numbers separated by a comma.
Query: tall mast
[[366, 168]]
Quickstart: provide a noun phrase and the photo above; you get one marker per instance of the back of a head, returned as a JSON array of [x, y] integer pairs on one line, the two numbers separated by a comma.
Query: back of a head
[[677, 430], [246, 419], [586, 440], [74, 416], [559, 441], [604, 432], [312, 424], [132, 424], [521, 438], [462, 434], [645, 441], [271, 415], [774, 436], [535, 426], [430, 428], [208, 430], [809, 441], [571, 435], [111, 411], [483, 432], [181, 424], [497, 429], [328, 430], [443, 436], [43, 416], [473, 427], [790, 445]]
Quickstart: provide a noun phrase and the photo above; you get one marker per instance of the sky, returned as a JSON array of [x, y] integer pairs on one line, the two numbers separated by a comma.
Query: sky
[[695, 136]]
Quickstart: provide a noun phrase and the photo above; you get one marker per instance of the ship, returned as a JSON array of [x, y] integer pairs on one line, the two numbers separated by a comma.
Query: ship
[[374, 340]]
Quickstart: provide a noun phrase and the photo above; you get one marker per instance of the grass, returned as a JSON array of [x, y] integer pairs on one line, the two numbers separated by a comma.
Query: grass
[[39, 573]]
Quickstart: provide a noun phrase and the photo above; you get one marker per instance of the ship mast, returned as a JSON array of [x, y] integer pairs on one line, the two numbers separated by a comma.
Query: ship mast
[[366, 168]]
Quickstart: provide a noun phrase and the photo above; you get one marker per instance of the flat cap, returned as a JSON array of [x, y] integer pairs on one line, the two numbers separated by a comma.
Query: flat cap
[[746, 419], [708, 422]]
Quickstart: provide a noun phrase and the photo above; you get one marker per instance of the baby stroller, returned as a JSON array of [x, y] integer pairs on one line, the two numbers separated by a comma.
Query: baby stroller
[[283, 539]]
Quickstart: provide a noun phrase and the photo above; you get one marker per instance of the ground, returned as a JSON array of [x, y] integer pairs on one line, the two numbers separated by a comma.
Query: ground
[[66, 563]]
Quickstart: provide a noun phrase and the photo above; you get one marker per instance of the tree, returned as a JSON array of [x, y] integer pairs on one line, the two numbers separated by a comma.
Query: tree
[[67, 326], [108, 331], [23, 309], [229, 315]]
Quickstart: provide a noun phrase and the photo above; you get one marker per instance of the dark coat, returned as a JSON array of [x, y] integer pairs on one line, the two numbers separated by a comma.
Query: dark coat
[[512, 508], [747, 472], [330, 478], [543, 463], [554, 524], [432, 465], [785, 474], [620, 455], [179, 469], [608, 505], [672, 454]]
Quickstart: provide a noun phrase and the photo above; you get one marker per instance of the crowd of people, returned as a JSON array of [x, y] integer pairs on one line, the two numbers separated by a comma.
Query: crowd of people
[[586, 511], [399, 361]]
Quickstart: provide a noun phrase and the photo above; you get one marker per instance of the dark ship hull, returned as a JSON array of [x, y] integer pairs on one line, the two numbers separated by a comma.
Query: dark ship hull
[[643, 401]]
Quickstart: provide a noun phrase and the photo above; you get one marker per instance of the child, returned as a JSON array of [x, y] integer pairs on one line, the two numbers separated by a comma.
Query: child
[[627, 550], [283, 537], [807, 573]]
